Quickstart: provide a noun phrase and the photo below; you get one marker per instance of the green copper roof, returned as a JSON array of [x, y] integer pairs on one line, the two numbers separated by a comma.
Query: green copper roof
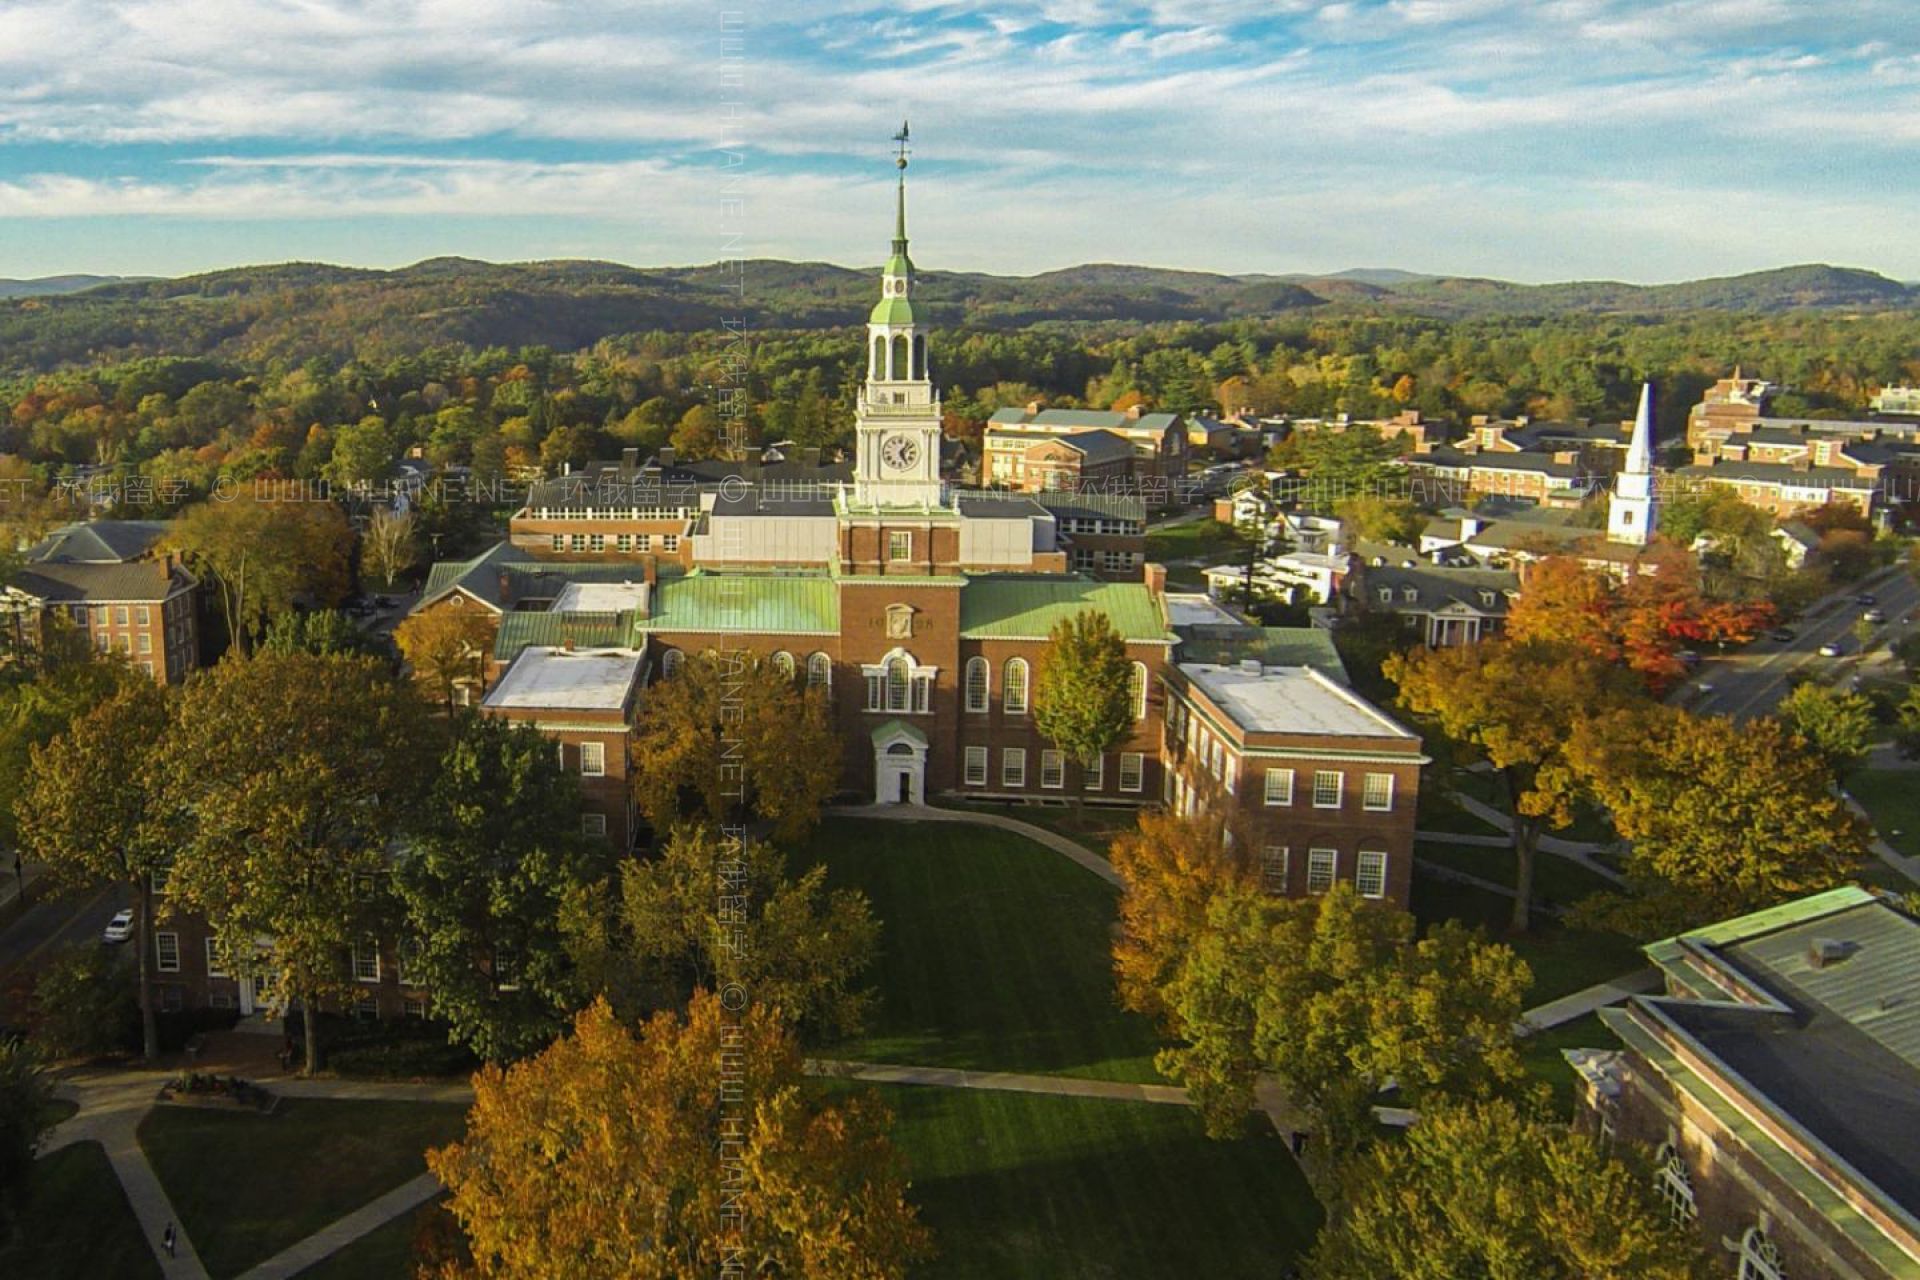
[[891, 311], [585, 631], [1799, 911], [1025, 607], [741, 602]]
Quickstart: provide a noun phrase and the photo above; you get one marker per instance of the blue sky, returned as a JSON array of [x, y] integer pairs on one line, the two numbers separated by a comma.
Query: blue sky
[[1537, 141]]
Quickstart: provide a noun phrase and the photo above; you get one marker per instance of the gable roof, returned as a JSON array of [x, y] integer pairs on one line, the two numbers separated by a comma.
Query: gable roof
[[135, 581], [98, 542], [1026, 606]]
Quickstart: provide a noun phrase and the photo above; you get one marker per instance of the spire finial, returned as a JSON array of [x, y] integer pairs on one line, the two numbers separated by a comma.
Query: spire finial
[[900, 140], [900, 197]]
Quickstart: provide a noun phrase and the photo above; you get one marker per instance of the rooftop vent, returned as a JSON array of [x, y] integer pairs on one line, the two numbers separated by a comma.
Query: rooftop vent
[[1251, 666], [1824, 953]]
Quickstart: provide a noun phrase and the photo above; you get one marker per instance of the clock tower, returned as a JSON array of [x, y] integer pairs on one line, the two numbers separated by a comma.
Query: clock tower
[[897, 422]]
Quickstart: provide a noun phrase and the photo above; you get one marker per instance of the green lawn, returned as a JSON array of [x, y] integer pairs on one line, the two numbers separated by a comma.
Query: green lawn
[[1555, 879], [1204, 538], [1589, 823], [75, 1223], [1026, 1187], [995, 953], [1563, 960], [1892, 798], [1092, 827], [385, 1253], [247, 1185]]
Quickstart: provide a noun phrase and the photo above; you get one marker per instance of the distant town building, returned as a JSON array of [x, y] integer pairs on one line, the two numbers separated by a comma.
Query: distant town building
[[1897, 400], [1777, 1083], [1155, 467], [109, 580]]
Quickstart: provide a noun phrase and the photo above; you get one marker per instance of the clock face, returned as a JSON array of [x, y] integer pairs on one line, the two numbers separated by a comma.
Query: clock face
[[899, 452]]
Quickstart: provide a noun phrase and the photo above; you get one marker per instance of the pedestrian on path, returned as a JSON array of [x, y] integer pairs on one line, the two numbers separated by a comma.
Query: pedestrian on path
[[167, 1240]]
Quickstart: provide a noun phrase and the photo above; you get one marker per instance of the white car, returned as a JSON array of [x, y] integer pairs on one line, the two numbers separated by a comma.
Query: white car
[[120, 928]]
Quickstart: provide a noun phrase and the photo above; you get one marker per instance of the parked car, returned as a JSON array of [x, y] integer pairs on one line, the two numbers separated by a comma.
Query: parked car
[[1689, 659], [1831, 649], [120, 928], [1866, 597], [1874, 616], [1784, 634]]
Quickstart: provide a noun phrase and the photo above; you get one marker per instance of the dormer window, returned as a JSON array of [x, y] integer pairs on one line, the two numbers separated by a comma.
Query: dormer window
[[1409, 594]]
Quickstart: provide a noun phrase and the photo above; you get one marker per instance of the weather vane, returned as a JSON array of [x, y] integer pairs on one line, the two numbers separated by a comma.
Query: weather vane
[[901, 138]]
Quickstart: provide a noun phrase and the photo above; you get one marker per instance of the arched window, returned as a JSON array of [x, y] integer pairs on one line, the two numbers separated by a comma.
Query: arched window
[[1013, 687], [1137, 690], [919, 355], [878, 368], [899, 678], [783, 663], [902, 353], [1760, 1258], [1674, 1184], [670, 663], [979, 673], [819, 671]]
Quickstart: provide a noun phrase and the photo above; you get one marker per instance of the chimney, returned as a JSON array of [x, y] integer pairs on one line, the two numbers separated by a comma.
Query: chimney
[[566, 468], [566, 644], [1033, 406], [1250, 666], [1155, 576], [506, 587], [666, 455], [1824, 953], [1133, 412], [650, 570], [812, 457], [629, 459]]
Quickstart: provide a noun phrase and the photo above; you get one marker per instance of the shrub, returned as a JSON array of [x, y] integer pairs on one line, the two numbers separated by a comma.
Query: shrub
[[85, 1004]]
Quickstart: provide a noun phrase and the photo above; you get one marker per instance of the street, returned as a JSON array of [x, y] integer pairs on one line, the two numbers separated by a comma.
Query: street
[[48, 924], [1751, 681]]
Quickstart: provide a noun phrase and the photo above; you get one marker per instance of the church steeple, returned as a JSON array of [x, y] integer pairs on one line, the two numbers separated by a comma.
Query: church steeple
[[1631, 514]]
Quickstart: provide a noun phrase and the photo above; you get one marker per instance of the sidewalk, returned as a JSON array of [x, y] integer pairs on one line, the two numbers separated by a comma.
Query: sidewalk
[[1581, 1003]]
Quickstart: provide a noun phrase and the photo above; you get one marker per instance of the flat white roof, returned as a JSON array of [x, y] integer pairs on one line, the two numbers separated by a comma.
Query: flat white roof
[[1290, 700], [1197, 609], [601, 597], [545, 678]]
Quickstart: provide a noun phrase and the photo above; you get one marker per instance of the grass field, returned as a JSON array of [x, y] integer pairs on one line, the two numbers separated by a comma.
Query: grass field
[[75, 1222], [1563, 960], [1557, 880], [1208, 539], [1542, 1052], [994, 952], [1092, 827], [1891, 798], [1025, 1187], [247, 1185]]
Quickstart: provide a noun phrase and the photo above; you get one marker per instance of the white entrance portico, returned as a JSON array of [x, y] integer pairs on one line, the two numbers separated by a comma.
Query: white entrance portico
[[899, 764]]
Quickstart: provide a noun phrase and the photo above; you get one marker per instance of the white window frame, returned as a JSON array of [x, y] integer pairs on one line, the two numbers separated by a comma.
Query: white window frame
[[669, 542], [1133, 765], [1371, 863], [670, 663], [1674, 1185], [1013, 688], [593, 824], [1013, 767], [899, 546], [213, 959], [1137, 690], [166, 942], [1339, 788], [979, 685], [1759, 1257], [1274, 868], [819, 671], [1384, 802], [1229, 771], [977, 767], [1323, 868], [1279, 788], [1053, 765], [593, 759], [1094, 776], [360, 970]]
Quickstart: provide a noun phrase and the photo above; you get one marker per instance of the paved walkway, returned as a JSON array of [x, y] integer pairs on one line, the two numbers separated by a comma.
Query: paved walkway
[[1581, 1003], [1039, 835], [999, 1081], [1906, 866], [341, 1232], [1579, 851]]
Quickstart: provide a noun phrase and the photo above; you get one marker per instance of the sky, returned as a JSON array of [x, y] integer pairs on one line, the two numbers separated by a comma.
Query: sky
[[1559, 139]]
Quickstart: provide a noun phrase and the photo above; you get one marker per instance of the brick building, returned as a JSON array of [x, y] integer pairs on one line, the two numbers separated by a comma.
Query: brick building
[[107, 579], [1157, 444], [1777, 1082]]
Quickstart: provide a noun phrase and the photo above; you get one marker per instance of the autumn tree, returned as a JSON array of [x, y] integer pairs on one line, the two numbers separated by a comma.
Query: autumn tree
[[1335, 997], [90, 811], [1083, 697], [260, 555], [1515, 704], [1839, 725], [285, 780], [698, 434], [1170, 867], [389, 546], [493, 855], [726, 736], [689, 1149], [1725, 816], [447, 646], [1486, 1189]]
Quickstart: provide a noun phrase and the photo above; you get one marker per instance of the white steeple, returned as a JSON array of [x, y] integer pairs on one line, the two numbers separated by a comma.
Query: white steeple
[[897, 420], [1630, 509]]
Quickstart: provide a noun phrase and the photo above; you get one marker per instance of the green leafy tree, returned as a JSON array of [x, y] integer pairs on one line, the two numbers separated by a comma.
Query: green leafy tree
[[1487, 1190], [793, 944], [1338, 465], [285, 778], [91, 811], [84, 1004], [363, 453], [260, 555], [34, 712], [321, 631], [1839, 725], [1083, 697], [727, 737], [1335, 997], [493, 854]]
